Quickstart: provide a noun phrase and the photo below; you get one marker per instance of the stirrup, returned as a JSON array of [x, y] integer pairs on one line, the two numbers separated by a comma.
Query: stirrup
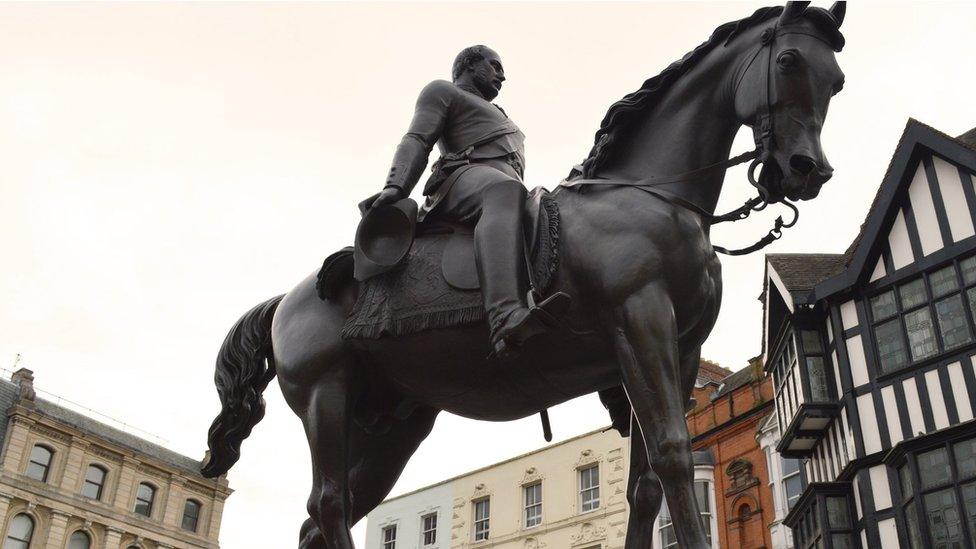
[[546, 313]]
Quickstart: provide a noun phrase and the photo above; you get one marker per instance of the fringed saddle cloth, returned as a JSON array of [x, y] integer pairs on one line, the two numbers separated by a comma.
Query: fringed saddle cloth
[[436, 284]]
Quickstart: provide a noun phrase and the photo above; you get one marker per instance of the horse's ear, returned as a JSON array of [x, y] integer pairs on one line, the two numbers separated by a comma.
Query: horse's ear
[[838, 10], [792, 11]]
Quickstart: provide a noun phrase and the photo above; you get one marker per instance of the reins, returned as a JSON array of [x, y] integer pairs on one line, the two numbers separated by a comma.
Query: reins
[[763, 138]]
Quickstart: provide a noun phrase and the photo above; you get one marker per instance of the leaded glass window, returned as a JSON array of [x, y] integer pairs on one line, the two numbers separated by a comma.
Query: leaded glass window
[[921, 334], [892, 353], [953, 325], [943, 281], [933, 468], [938, 495]]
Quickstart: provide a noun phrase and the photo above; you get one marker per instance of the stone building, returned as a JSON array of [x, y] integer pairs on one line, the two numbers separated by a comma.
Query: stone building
[[69, 482], [872, 353]]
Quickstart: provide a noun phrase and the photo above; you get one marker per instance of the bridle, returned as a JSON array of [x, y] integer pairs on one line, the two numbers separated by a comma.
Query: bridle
[[762, 132]]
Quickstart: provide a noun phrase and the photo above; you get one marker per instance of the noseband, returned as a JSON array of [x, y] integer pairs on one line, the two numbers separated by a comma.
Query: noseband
[[762, 135]]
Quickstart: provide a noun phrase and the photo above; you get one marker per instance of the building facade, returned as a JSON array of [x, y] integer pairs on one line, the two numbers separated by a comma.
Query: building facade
[[69, 482], [872, 358], [573, 494], [724, 424]]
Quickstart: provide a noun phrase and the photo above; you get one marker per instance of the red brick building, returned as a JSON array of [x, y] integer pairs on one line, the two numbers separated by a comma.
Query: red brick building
[[727, 416]]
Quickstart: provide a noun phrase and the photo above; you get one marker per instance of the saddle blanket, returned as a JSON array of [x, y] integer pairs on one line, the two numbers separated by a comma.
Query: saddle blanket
[[416, 295], [412, 297]]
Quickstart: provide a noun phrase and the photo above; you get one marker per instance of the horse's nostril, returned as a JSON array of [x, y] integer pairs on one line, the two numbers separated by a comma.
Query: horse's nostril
[[802, 165]]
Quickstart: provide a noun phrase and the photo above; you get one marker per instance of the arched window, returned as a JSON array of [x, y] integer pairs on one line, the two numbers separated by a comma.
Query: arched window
[[79, 540], [94, 482], [144, 499], [20, 532], [191, 515], [40, 463]]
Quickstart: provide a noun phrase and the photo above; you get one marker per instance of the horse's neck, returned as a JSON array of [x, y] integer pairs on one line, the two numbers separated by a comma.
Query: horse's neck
[[691, 127]]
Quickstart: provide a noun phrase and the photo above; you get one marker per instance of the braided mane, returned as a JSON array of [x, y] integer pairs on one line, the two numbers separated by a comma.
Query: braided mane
[[623, 113]]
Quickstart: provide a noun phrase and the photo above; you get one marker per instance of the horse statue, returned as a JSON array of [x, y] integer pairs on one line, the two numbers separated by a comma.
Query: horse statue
[[634, 254]]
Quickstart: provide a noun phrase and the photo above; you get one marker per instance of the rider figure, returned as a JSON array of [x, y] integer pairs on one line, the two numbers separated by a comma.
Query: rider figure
[[477, 181]]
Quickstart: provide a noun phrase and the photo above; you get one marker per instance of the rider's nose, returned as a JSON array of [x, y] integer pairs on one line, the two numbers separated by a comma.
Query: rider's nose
[[501, 77], [802, 165]]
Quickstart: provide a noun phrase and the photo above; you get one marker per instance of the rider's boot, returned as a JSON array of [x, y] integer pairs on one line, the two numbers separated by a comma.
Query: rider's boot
[[499, 244]]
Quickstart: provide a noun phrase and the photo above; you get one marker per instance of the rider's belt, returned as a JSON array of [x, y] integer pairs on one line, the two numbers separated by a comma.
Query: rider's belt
[[444, 167]]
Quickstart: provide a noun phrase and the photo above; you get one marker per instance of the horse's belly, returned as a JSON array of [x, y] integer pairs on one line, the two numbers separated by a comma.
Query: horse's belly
[[449, 370]]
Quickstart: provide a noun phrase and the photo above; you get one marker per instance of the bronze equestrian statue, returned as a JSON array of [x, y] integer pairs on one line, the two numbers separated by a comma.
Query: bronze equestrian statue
[[477, 181], [635, 255]]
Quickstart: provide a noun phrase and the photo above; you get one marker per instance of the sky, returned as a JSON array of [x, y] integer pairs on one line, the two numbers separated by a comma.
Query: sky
[[166, 166]]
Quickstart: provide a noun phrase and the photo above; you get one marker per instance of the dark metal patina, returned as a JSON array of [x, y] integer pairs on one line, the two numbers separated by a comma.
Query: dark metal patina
[[641, 269]]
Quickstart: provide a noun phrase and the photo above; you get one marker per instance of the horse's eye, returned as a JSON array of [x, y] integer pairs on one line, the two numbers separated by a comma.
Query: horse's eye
[[786, 59]]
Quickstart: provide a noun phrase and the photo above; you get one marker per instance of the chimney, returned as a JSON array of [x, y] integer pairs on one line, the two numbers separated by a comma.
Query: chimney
[[24, 379]]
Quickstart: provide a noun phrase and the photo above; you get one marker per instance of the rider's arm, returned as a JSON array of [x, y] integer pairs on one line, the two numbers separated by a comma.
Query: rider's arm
[[428, 122]]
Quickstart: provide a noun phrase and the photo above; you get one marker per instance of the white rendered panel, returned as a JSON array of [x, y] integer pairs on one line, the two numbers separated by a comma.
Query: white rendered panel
[[889, 534], [864, 538], [833, 355], [869, 424], [936, 399], [858, 364], [959, 391], [924, 209], [830, 331], [899, 244], [879, 270], [891, 414], [848, 436], [954, 199], [914, 405], [857, 500], [848, 314], [879, 487]]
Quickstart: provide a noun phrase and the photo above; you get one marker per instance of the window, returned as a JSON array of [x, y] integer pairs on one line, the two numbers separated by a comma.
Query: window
[[20, 532], [389, 537], [482, 512], [589, 488], [79, 540], [938, 492], [94, 482], [144, 499], [191, 515], [428, 529], [926, 316], [792, 481], [40, 463], [669, 539], [533, 505], [813, 530]]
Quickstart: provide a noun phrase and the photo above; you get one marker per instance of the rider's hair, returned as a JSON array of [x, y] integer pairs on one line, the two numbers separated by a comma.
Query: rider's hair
[[471, 54]]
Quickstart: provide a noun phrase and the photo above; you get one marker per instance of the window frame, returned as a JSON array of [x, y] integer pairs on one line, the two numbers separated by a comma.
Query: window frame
[[915, 501], [962, 290], [87, 536], [152, 499], [389, 542], [196, 519], [424, 530], [30, 533], [526, 506], [485, 533], [101, 487], [46, 466], [581, 490]]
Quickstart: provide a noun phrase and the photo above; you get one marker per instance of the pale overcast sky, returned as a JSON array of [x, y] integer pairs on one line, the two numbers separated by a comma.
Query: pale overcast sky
[[167, 166]]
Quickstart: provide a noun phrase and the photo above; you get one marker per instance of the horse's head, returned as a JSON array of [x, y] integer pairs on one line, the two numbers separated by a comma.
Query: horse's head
[[783, 89]]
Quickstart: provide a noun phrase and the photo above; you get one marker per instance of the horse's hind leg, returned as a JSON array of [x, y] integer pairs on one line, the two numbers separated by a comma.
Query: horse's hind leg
[[327, 423], [647, 351], [376, 463]]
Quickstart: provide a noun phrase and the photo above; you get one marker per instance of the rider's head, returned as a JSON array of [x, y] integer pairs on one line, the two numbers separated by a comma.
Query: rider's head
[[481, 67]]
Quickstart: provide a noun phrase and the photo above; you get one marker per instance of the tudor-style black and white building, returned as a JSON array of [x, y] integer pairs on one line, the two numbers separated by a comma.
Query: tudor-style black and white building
[[873, 359]]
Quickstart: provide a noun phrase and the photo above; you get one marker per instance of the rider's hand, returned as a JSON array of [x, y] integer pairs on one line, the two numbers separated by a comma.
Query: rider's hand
[[389, 195]]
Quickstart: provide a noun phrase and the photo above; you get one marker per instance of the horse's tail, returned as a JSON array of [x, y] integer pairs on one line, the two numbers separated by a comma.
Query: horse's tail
[[245, 366]]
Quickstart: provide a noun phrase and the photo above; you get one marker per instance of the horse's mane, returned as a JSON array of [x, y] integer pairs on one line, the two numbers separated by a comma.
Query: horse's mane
[[623, 113]]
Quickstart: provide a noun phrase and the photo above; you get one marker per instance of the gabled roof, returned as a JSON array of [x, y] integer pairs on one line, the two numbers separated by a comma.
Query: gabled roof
[[961, 150], [752, 372], [802, 272]]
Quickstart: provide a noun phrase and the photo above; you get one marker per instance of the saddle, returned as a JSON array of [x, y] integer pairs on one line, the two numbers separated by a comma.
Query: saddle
[[436, 285]]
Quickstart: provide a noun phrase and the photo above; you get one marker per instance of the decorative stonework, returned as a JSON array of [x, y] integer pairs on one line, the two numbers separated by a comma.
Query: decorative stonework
[[532, 476], [588, 457], [480, 492], [588, 533], [616, 477], [534, 543]]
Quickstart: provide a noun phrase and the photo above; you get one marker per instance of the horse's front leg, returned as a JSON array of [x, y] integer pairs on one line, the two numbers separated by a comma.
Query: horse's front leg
[[646, 344]]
